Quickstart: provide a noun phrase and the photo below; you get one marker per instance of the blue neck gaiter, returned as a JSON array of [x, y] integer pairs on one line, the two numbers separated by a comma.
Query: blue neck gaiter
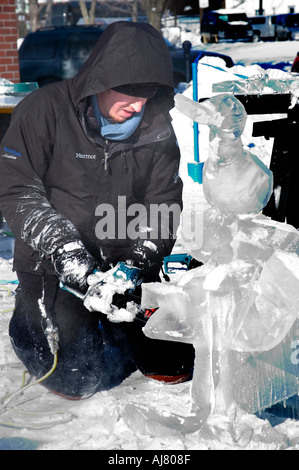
[[116, 131]]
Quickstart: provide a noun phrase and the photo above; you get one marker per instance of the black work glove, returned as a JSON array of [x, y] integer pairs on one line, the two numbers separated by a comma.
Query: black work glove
[[148, 257], [73, 264]]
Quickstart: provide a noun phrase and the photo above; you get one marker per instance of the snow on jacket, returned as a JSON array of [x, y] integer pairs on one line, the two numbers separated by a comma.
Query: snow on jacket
[[53, 174]]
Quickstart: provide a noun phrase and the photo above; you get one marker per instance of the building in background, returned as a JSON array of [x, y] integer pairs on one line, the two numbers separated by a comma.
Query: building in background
[[9, 61]]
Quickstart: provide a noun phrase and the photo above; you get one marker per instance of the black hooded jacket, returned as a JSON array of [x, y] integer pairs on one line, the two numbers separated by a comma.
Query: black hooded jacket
[[58, 174]]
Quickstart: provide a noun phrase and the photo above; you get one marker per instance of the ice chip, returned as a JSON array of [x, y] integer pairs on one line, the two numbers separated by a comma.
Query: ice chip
[[173, 304]]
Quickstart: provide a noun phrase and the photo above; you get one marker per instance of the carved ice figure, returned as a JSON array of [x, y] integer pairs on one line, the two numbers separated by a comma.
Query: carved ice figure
[[240, 308], [235, 181]]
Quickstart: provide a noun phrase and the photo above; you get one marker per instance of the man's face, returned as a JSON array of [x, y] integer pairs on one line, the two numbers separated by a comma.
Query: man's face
[[118, 106]]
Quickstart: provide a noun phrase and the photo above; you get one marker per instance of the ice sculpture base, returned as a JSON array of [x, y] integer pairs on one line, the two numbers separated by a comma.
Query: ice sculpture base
[[261, 380]]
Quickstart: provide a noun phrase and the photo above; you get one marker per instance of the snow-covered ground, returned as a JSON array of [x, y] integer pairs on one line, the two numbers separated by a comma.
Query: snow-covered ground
[[270, 53], [137, 414], [263, 52]]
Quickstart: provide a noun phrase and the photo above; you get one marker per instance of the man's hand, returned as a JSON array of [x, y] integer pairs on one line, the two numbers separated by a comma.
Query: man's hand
[[120, 280], [73, 264]]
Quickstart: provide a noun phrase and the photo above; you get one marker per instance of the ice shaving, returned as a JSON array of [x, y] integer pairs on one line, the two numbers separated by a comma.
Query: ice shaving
[[103, 287], [240, 309]]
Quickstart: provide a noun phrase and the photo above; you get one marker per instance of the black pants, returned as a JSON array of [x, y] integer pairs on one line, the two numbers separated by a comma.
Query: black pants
[[94, 354]]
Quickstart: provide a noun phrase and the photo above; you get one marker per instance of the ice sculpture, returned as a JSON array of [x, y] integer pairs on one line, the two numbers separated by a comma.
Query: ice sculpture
[[266, 81], [240, 308], [234, 181]]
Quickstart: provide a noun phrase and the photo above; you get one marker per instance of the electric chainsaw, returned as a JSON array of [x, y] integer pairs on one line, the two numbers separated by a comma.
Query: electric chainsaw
[[171, 264]]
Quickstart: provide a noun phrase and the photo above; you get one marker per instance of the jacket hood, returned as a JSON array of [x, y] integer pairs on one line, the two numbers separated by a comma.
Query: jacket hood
[[125, 53]]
